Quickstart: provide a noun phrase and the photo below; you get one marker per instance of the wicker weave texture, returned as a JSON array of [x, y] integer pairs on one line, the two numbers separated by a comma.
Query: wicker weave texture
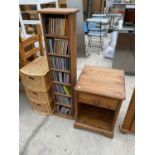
[[36, 75], [42, 97]]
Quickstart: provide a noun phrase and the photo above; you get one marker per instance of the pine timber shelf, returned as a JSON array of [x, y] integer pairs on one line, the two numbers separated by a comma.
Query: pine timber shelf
[[55, 36], [64, 116], [59, 94], [59, 11], [62, 83], [62, 104], [60, 70], [59, 55]]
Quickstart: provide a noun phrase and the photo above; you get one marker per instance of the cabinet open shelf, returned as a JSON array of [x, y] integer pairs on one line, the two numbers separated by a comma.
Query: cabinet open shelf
[[60, 70], [62, 83], [95, 118], [62, 104], [59, 94], [63, 115]]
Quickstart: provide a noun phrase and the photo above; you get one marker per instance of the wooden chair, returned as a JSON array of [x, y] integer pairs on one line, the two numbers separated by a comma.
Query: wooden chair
[[27, 49]]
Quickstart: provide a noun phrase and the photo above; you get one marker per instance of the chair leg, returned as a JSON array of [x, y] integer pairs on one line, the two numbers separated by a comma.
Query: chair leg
[[88, 45], [106, 32], [89, 41], [102, 43]]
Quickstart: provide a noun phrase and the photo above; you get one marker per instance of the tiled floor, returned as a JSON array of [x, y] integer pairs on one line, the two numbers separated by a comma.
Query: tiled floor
[[52, 135]]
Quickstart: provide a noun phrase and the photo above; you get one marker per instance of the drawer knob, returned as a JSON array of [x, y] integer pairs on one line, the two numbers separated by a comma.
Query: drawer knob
[[31, 78], [34, 93]]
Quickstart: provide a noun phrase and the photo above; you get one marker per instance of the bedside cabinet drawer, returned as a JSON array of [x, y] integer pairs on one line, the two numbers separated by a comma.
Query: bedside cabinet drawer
[[98, 101], [41, 97]]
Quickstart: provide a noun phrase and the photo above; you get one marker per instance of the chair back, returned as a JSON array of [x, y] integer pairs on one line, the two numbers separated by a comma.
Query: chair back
[[27, 50], [95, 28]]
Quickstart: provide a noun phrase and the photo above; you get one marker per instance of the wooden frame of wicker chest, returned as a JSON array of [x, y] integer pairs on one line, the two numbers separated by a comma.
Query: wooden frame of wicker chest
[[99, 93]]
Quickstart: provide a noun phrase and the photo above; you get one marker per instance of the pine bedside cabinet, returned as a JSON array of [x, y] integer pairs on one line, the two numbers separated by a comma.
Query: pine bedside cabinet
[[99, 93]]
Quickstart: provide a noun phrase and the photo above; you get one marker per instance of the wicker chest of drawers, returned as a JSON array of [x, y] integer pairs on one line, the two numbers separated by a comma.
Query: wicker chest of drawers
[[37, 83]]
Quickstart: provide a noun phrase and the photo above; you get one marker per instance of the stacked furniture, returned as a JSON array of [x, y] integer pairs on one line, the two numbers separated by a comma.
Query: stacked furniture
[[99, 95], [28, 15], [59, 30], [37, 83], [62, 3]]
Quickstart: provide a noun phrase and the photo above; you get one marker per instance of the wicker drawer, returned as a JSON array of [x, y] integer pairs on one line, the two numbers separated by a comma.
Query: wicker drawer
[[36, 75], [98, 101], [36, 83], [38, 107], [42, 97]]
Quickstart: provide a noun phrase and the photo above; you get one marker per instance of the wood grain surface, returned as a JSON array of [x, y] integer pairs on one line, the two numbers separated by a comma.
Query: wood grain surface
[[102, 81]]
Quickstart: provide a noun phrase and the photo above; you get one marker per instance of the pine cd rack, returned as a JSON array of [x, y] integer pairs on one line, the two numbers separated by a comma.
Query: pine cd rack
[[59, 30]]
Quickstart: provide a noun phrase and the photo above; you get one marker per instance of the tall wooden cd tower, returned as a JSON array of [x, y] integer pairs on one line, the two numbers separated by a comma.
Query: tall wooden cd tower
[[59, 30]]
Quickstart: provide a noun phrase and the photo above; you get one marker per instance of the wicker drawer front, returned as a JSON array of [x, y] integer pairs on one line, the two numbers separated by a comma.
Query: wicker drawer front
[[98, 101], [36, 83], [42, 97], [39, 107]]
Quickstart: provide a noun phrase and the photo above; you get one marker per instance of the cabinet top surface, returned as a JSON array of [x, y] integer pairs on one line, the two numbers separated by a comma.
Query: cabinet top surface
[[64, 11], [37, 67], [102, 81]]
